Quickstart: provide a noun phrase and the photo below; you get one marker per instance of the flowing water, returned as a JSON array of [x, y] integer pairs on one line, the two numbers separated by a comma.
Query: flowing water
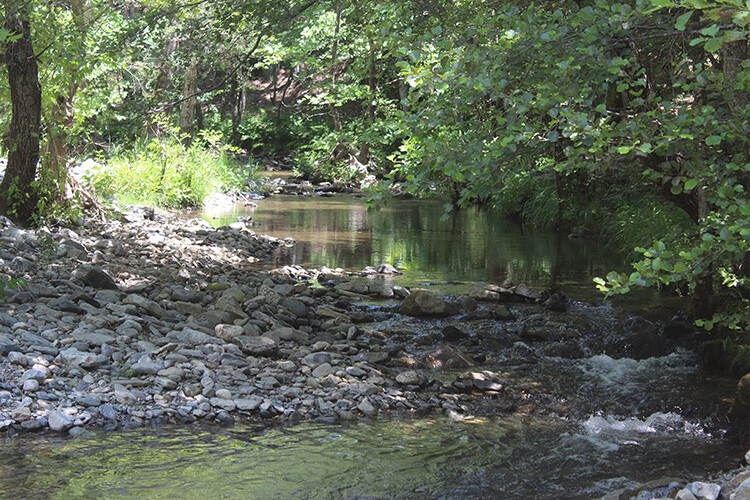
[[595, 421]]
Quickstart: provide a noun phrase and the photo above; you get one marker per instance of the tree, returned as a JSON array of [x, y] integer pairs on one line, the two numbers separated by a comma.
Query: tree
[[17, 198]]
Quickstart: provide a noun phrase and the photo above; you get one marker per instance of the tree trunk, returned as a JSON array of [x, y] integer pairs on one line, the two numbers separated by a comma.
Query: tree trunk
[[337, 125], [187, 111], [16, 197]]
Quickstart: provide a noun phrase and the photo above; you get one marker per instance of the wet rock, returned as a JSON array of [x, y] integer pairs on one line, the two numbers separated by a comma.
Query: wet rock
[[97, 278], [453, 334], [556, 302], [500, 312], [526, 293]]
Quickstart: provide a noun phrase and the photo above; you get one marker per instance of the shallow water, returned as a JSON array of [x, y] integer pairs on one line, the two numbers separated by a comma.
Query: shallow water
[[470, 246], [594, 423]]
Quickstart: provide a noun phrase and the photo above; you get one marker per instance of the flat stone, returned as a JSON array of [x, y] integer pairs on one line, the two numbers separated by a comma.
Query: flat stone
[[411, 377], [257, 346], [323, 370], [59, 421], [108, 411], [123, 395], [194, 337], [250, 404], [146, 366], [147, 305], [224, 404], [97, 278], [74, 357]]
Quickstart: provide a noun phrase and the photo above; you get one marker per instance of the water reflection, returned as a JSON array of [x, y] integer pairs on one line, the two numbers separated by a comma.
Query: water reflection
[[413, 235]]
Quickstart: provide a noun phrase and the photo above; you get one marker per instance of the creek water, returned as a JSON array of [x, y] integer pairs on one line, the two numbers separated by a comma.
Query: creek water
[[595, 421]]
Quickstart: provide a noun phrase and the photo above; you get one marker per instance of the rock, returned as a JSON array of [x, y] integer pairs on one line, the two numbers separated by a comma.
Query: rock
[[317, 358], [323, 370], [97, 278], [223, 394], [447, 358], [704, 491], [228, 332], [147, 305], [123, 396], [16, 358], [193, 337], [180, 294], [367, 408], [146, 366], [250, 404], [411, 377], [296, 307], [31, 385], [526, 293], [288, 334], [93, 338], [387, 269], [556, 302], [453, 334], [356, 287], [501, 312], [423, 303], [89, 400], [59, 421], [257, 346], [685, 494], [224, 404], [74, 357], [484, 295]]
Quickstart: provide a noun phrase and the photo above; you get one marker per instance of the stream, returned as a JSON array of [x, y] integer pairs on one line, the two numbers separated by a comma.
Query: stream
[[595, 419]]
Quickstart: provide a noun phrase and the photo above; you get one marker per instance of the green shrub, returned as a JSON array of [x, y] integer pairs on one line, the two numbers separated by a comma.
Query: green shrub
[[163, 172]]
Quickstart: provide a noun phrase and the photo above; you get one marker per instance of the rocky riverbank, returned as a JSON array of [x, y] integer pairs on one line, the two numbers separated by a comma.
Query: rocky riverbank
[[160, 319]]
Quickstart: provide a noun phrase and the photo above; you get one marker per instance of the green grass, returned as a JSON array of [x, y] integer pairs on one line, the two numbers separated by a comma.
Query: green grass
[[162, 172]]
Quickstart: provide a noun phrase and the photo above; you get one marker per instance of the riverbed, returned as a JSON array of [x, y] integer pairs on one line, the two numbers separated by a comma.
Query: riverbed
[[591, 417]]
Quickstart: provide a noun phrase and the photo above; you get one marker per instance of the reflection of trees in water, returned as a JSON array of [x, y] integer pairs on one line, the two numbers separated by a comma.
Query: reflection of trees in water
[[469, 245]]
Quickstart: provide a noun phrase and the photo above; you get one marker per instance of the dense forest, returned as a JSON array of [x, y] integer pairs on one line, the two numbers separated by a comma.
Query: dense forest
[[625, 120]]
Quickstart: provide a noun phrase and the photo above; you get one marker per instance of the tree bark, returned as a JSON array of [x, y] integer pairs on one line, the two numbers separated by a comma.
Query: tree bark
[[17, 199]]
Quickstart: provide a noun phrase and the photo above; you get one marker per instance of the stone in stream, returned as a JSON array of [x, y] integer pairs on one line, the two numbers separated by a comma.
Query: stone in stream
[[97, 278], [59, 421], [424, 303], [704, 491], [452, 333]]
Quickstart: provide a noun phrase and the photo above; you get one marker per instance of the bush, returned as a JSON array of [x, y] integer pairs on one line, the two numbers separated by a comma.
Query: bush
[[163, 172]]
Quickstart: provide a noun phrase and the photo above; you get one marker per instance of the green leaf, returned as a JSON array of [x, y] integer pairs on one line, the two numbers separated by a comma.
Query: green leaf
[[690, 184], [623, 150], [682, 21], [714, 44], [713, 140], [711, 30]]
